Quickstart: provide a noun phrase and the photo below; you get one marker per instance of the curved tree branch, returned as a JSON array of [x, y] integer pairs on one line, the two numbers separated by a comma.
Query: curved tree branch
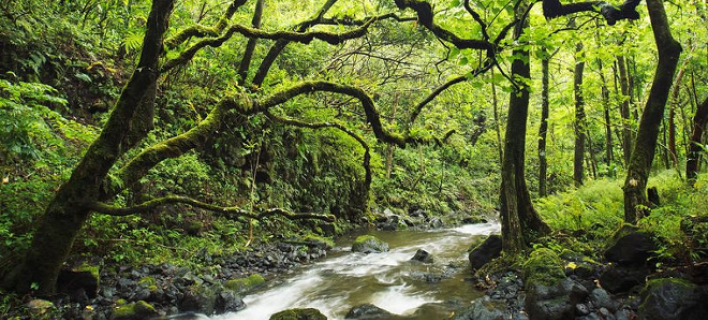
[[306, 37], [459, 79], [230, 212], [425, 16], [628, 10]]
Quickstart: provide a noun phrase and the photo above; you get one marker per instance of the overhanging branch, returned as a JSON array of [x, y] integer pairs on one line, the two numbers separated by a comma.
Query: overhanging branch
[[425, 16], [628, 10], [302, 37], [232, 212]]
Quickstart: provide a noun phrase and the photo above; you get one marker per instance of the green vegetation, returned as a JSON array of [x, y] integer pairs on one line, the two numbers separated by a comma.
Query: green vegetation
[[140, 132]]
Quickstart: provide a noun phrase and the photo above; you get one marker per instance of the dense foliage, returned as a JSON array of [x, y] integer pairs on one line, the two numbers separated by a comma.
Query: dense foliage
[[64, 64]]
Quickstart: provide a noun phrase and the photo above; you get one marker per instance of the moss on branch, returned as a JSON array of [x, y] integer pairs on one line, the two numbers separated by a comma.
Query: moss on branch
[[204, 31], [292, 36], [424, 10], [233, 212], [179, 145]]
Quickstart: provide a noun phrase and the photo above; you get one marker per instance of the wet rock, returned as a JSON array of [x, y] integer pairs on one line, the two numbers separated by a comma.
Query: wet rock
[[299, 314], [369, 244], [485, 252], [82, 283], [631, 249], [187, 316], [601, 299], [436, 223], [485, 309], [554, 300], [419, 213], [474, 220], [584, 271], [619, 279], [200, 299], [228, 301], [422, 256], [581, 309], [244, 284], [673, 299], [625, 314], [368, 312], [135, 311]]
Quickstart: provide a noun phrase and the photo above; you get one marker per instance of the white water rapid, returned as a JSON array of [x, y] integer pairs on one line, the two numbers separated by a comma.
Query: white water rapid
[[388, 280]]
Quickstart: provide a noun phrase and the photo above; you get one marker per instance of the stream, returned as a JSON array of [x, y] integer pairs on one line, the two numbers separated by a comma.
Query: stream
[[388, 280]]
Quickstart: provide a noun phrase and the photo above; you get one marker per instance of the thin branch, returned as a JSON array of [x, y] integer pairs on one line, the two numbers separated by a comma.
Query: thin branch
[[203, 31]]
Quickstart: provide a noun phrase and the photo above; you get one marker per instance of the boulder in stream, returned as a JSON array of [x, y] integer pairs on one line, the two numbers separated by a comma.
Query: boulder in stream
[[368, 312], [422, 256], [485, 252], [369, 244], [299, 314]]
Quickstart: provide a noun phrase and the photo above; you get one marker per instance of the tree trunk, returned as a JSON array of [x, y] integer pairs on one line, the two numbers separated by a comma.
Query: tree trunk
[[635, 198], [579, 124], [391, 148], [606, 108], [675, 103], [624, 111], [251, 45], [520, 222], [695, 145], [497, 119], [66, 214], [543, 130]]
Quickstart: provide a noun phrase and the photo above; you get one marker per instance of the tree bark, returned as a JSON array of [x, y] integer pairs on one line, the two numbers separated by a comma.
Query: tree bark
[[251, 45], [608, 119], [520, 221], [579, 124], [696, 142], [624, 110], [66, 214], [635, 197]]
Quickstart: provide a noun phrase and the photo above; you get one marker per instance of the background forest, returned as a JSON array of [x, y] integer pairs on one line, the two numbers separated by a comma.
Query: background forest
[[339, 109]]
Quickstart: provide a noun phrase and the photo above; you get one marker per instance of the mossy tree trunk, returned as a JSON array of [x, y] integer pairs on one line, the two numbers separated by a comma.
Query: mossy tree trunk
[[635, 197], [66, 213], [520, 221]]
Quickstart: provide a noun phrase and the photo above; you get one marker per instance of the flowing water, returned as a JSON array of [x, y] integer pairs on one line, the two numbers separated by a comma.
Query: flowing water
[[388, 280]]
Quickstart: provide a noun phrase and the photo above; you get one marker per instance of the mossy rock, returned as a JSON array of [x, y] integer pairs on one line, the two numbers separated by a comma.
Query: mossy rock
[[135, 311], [673, 299], [149, 283], [544, 266], [244, 284], [95, 271], [40, 309], [369, 244], [317, 241], [299, 314]]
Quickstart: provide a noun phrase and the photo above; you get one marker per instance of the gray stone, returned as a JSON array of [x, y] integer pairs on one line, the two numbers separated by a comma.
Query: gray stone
[[673, 299]]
